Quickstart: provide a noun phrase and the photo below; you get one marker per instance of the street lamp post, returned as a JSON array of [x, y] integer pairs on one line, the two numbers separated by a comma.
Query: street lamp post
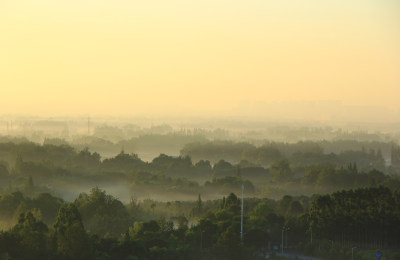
[[241, 217], [287, 229], [283, 230], [352, 253], [201, 240], [268, 243]]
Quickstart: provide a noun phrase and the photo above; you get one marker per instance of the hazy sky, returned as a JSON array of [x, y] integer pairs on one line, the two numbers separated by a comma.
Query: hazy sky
[[182, 57]]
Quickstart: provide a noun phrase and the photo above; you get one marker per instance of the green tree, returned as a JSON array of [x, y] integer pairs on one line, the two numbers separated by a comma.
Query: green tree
[[4, 173], [70, 238], [48, 206], [295, 208], [232, 204], [32, 236], [228, 245], [102, 213], [280, 170]]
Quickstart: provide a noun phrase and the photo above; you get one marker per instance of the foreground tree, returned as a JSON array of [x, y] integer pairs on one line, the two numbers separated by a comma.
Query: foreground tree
[[70, 238], [102, 213]]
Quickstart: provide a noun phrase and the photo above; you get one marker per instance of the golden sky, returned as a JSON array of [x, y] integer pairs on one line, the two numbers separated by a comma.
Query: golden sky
[[203, 57]]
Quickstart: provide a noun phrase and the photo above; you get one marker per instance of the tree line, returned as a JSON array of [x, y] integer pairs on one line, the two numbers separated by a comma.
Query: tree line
[[99, 226]]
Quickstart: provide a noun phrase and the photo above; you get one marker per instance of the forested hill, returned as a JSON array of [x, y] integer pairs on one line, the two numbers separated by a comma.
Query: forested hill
[[196, 212], [98, 226], [365, 154], [65, 171]]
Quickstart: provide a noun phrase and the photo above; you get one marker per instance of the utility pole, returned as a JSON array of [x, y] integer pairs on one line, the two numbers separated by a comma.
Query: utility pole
[[287, 229], [241, 219], [352, 253], [283, 230]]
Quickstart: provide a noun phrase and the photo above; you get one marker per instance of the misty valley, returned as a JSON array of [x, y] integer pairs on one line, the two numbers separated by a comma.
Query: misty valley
[[331, 197], [199, 130]]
